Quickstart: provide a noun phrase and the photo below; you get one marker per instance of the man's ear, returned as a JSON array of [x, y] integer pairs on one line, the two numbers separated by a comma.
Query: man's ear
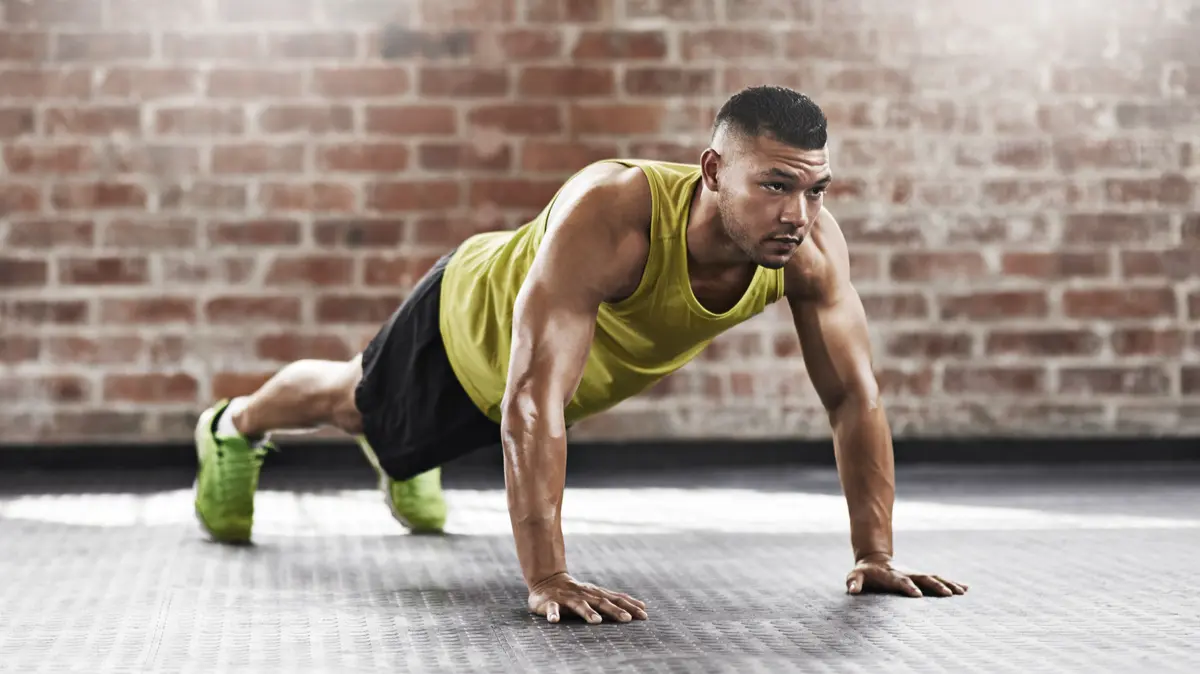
[[710, 166]]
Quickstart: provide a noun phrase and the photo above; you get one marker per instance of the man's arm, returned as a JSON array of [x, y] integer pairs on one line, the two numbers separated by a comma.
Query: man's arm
[[593, 250], [832, 325]]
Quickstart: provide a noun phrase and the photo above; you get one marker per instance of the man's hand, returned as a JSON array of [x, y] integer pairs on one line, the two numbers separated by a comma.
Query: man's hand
[[879, 574], [561, 591]]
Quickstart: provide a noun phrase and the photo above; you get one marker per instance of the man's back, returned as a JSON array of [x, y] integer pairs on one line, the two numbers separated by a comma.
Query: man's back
[[640, 337]]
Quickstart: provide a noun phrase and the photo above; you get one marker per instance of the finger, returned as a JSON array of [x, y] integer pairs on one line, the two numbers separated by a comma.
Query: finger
[[956, 588], [584, 610], [898, 582], [621, 595], [552, 612], [612, 610], [933, 585], [631, 607], [854, 582]]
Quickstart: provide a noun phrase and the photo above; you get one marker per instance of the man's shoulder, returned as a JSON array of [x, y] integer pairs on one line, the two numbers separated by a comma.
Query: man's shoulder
[[609, 194], [820, 265]]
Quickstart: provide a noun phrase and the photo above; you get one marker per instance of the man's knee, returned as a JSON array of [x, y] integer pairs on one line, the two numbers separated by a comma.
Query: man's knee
[[345, 409]]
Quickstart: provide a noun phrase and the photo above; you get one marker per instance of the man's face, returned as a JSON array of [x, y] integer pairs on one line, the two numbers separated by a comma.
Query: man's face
[[769, 196]]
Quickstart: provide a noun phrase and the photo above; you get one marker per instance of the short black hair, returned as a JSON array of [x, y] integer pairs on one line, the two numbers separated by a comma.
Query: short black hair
[[783, 114]]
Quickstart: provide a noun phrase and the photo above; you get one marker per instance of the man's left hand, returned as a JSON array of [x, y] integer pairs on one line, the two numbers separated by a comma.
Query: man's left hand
[[881, 575]]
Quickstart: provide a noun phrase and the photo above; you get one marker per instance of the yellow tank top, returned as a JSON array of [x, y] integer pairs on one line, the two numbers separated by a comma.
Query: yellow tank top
[[638, 340]]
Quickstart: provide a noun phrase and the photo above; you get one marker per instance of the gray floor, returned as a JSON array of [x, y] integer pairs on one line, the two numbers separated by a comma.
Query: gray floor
[[1070, 570]]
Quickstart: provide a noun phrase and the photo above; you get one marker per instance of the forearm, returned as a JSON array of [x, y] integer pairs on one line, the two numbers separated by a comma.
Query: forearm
[[863, 447], [534, 443]]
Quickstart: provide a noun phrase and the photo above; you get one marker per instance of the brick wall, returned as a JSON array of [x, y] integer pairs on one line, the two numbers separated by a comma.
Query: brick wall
[[195, 193]]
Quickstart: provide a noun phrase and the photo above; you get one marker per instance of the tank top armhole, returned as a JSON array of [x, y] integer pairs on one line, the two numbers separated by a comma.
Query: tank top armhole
[[653, 265]]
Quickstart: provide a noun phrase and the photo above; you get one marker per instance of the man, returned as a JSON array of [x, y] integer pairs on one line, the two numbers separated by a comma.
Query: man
[[629, 273]]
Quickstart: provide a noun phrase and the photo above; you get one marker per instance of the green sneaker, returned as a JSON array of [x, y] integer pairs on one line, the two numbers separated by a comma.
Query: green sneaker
[[226, 480], [417, 503]]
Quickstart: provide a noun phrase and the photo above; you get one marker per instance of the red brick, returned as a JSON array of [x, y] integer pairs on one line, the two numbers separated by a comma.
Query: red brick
[[769, 10], [142, 83], [18, 349], [464, 156], [359, 233], [266, 11], [150, 388], [44, 312], [1191, 380], [994, 380], [616, 119], [156, 160], [1191, 229], [249, 310], [249, 83], [200, 121], [463, 81], [620, 45], [265, 232], [566, 82], [405, 120], [327, 197], [1053, 266], [396, 43], [20, 198], [98, 350], [662, 81], [54, 12], [1194, 305], [738, 346], [148, 310], [43, 159], [307, 119], [416, 195], [1043, 342], [257, 158], [579, 11], [1147, 342], [560, 156], [736, 78], [938, 266], [1022, 154], [24, 46], [16, 122], [865, 266], [1119, 303], [92, 47], [96, 196], [203, 196], [930, 345], [312, 270], [995, 306], [1176, 264], [680, 10], [333, 309], [40, 390], [512, 192], [1172, 189], [727, 43], [200, 47], [149, 232], [397, 270], [42, 85], [361, 82], [92, 121], [1107, 228], [375, 157], [449, 232], [23, 273], [894, 306], [530, 45], [1150, 380], [466, 12], [312, 45], [289, 347], [227, 385], [522, 118], [900, 383], [104, 270], [154, 13], [49, 234], [208, 270]]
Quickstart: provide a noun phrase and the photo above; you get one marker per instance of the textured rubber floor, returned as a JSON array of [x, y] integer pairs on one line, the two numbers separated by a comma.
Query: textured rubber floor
[[1064, 577]]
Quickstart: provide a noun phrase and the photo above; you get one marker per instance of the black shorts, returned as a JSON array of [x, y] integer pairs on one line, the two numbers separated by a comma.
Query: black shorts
[[416, 415]]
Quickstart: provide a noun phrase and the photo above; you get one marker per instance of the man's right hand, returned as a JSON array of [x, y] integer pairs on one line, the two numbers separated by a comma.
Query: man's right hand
[[561, 591]]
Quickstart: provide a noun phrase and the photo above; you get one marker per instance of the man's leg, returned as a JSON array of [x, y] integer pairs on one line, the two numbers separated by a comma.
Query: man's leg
[[233, 437]]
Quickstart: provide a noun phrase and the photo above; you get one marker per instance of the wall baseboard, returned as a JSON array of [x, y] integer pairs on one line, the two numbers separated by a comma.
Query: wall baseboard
[[624, 456]]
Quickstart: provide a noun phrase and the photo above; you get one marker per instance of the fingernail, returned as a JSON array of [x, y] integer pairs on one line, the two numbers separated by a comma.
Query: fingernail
[[626, 616]]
